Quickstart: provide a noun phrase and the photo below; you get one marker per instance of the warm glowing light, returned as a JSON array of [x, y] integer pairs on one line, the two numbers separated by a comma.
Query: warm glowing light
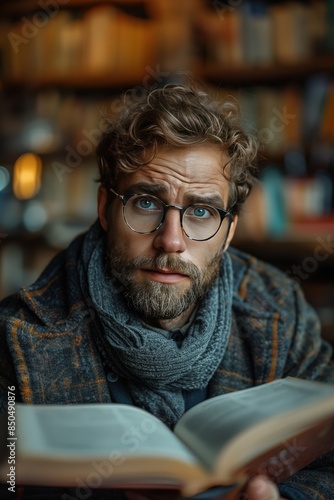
[[27, 176]]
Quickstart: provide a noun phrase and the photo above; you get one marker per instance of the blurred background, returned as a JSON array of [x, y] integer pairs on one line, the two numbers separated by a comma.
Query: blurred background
[[64, 65]]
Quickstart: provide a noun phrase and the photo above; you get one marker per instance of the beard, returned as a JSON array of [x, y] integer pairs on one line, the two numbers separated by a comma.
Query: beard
[[153, 300]]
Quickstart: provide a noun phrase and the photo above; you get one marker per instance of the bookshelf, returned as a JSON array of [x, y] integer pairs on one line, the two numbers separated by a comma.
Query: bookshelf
[[55, 87]]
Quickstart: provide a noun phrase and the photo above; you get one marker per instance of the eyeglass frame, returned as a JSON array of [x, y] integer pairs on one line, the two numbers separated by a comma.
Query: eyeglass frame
[[222, 212]]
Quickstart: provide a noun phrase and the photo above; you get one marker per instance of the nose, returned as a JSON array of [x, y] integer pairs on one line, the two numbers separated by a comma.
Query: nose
[[170, 237]]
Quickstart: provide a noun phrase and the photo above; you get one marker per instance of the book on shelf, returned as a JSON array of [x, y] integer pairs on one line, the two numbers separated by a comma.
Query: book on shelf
[[257, 33], [311, 227], [276, 429], [291, 122], [291, 32], [271, 119], [315, 96], [100, 51], [224, 38]]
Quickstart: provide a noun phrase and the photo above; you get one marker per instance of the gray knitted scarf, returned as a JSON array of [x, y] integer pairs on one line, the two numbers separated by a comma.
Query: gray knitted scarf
[[156, 369]]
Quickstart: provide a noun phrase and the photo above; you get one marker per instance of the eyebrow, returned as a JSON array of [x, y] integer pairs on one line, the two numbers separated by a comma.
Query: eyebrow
[[191, 198], [143, 187], [209, 199]]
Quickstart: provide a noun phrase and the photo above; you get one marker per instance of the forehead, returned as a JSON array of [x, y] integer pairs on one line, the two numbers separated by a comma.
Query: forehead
[[182, 171]]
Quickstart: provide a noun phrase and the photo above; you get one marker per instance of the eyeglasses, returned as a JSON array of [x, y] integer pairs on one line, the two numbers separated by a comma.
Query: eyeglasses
[[144, 214]]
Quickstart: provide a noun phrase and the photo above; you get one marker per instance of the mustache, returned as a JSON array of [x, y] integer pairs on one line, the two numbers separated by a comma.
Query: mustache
[[170, 262]]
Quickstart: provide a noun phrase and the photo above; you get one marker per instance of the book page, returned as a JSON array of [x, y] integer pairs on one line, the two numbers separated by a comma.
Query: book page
[[122, 444], [75, 431], [213, 425]]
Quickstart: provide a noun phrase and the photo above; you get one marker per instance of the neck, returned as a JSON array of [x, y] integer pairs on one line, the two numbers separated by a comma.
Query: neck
[[173, 323]]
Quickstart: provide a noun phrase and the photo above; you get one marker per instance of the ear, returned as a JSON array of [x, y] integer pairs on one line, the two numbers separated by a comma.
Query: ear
[[231, 232], [102, 196]]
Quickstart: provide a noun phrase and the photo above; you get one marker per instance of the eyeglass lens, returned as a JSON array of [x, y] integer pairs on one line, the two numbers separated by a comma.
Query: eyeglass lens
[[144, 213]]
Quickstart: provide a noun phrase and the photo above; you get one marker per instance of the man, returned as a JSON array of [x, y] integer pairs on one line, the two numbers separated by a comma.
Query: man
[[151, 307]]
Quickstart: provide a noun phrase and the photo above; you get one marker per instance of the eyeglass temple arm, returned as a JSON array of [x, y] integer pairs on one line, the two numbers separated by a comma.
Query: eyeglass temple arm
[[114, 192]]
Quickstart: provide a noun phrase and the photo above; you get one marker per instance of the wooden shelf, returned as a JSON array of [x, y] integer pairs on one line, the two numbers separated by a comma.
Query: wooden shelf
[[20, 7], [266, 74], [79, 81]]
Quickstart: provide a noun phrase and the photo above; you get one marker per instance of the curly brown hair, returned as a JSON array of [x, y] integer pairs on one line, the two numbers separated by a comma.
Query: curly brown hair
[[176, 116]]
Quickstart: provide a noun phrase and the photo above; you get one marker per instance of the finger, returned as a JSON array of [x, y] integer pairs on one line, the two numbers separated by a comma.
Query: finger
[[261, 488]]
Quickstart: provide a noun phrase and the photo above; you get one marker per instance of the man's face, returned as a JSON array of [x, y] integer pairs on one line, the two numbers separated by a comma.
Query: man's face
[[164, 274]]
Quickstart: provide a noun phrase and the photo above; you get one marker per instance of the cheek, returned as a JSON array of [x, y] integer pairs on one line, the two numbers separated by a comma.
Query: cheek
[[212, 248], [203, 255], [127, 242]]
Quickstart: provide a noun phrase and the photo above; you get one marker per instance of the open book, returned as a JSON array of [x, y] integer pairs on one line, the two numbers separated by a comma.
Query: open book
[[276, 429]]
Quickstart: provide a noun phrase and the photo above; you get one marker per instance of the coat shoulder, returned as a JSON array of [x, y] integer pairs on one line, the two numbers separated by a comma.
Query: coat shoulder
[[260, 284]]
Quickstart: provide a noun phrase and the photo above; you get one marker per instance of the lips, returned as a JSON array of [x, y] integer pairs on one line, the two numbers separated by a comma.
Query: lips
[[165, 275]]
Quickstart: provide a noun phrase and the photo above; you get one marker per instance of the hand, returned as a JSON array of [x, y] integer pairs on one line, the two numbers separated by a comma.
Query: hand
[[261, 488]]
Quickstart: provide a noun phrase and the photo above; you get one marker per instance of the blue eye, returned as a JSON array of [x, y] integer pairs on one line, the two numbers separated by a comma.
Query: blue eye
[[200, 212], [146, 203]]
